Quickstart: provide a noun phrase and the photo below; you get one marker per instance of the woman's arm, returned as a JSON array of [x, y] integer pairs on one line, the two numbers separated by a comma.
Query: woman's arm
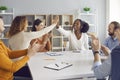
[[64, 32], [46, 42], [8, 65], [33, 35], [16, 53], [48, 45]]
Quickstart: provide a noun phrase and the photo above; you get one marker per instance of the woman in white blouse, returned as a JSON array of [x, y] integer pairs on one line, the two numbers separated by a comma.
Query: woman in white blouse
[[19, 39], [78, 38]]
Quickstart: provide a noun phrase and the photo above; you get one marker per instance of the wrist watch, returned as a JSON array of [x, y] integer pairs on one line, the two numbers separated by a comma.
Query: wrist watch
[[96, 52], [57, 26]]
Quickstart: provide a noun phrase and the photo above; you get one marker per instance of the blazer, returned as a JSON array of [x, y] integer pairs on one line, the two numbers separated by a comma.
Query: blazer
[[115, 67]]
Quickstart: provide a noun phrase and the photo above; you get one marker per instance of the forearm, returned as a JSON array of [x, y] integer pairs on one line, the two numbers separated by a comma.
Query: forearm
[[8, 65], [33, 35], [48, 45], [64, 32], [17, 53], [19, 64], [101, 70], [105, 50], [97, 57], [43, 50]]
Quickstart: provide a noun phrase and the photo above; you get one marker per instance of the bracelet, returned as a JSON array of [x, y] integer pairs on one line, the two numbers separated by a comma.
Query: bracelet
[[57, 27], [95, 52]]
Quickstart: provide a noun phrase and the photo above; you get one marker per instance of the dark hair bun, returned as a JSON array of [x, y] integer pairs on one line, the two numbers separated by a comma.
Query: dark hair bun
[[85, 26]]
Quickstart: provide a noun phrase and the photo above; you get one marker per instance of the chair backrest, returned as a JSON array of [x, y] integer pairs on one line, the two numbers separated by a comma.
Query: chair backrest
[[115, 59]]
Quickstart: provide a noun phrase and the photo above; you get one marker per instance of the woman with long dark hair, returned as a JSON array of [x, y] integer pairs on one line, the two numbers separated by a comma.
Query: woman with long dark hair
[[37, 26]]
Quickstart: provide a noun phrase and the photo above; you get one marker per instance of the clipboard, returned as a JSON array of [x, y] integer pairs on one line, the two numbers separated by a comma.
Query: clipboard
[[58, 66]]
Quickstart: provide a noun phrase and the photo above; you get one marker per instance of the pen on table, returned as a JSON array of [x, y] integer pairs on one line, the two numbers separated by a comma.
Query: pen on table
[[49, 59], [57, 65]]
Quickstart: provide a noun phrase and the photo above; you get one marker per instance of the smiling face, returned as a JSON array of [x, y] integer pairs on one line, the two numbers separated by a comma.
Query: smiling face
[[39, 27], [77, 25], [1, 25], [111, 29]]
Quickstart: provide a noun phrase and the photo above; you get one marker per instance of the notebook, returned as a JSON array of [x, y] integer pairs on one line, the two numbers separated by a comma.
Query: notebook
[[54, 53], [58, 66]]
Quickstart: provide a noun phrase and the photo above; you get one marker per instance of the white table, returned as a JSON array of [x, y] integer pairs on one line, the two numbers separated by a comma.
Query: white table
[[82, 64]]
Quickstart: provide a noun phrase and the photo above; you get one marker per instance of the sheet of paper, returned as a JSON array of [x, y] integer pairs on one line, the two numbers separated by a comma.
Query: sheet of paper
[[58, 65]]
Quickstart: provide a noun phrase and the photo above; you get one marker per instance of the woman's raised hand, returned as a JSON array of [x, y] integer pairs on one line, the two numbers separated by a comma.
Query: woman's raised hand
[[96, 45], [55, 20]]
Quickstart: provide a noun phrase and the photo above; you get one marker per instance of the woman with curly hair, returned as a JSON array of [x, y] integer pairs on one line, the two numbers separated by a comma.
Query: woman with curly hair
[[78, 38]]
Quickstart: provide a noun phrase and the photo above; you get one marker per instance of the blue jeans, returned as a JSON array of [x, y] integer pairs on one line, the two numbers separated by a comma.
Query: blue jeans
[[23, 74], [22, 78]]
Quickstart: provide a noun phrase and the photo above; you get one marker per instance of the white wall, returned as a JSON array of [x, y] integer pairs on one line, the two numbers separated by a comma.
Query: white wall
[[41, 6], [59, 7], [114, 10]]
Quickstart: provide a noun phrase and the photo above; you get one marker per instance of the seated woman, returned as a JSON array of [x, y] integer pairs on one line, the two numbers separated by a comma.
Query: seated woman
[[37, 26], [17, 33], [78, 38], [9, 67]]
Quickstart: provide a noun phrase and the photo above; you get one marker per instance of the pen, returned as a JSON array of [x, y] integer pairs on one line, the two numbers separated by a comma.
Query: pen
[[49, 59], [57, 65]]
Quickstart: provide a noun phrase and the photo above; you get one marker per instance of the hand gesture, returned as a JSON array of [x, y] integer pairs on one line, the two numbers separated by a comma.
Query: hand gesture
[[50, 34], [117, 33], [55, 20], [96, 45], [45, 39], [34, 48], [92, 35], [106, 50]]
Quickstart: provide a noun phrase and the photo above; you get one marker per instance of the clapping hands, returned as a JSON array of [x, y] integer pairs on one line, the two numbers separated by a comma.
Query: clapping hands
[[34, 48]]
